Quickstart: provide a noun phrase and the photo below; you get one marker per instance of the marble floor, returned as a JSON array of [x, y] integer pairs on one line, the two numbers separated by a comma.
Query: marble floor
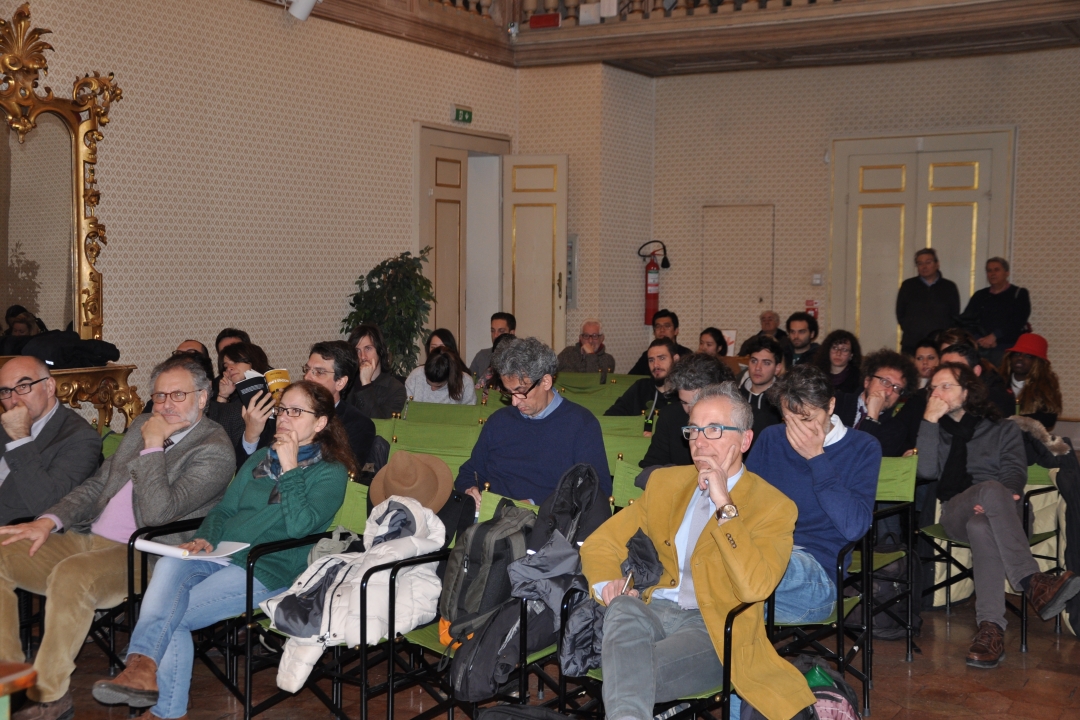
[[1043, 684]]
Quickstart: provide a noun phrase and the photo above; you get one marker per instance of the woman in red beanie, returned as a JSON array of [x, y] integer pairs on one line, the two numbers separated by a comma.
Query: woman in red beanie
[[1033, 383]]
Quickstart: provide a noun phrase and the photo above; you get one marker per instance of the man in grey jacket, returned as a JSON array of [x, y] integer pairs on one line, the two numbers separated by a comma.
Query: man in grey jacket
[[981, 468], [172, 465], [46, 449]]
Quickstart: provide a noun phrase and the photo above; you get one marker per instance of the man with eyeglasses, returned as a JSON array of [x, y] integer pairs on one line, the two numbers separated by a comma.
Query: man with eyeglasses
[[525, 449], [173, 464], [723, 536], [665, 324], [887, 377], [588, 355], [830, 471], [46, 449], [981, 467]]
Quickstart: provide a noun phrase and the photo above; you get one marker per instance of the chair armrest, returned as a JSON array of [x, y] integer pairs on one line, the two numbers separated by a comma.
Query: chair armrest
[[150, 531], [893, 509], [1027, 503], [260, 551]]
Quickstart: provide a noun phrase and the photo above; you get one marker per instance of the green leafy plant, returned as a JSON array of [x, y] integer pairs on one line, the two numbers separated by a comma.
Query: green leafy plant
[[397, 297]]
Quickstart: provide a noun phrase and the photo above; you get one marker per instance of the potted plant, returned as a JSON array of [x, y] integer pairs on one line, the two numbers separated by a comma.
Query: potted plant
[[397, 297]]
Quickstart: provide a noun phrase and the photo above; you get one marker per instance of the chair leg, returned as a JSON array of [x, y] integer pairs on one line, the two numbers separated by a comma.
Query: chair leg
[[1023, 621], [948, 579]]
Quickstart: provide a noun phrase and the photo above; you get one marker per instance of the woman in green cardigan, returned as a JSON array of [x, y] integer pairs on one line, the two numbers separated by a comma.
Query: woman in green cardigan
[[289, 490]]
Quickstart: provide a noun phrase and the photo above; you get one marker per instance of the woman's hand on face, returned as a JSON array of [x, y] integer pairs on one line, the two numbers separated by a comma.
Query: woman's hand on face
[[287, 446], [197, 545], [225, 388]]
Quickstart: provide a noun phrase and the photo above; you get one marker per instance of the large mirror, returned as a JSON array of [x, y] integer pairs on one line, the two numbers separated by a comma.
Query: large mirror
[[37, 225], [50, 237]]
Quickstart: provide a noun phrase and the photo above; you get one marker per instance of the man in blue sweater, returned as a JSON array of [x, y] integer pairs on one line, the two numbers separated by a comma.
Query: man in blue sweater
[[830, 472], [523, 450]]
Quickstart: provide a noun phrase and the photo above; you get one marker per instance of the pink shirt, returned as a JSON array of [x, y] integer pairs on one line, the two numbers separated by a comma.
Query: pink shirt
[[117, 521]]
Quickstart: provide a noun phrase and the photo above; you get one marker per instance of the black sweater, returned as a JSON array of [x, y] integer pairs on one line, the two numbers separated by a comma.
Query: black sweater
[[641, 367], [922, 309], [639, 396], [1004, 315]]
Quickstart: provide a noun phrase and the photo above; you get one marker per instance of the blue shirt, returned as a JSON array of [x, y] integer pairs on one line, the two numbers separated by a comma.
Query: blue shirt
[[552, 406]]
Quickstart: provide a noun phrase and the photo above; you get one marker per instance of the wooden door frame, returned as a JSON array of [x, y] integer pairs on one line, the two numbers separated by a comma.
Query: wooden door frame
[[900, 142]]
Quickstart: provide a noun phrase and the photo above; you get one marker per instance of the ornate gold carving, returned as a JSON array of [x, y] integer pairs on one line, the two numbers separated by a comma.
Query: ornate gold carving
[[22, 65], [106, 388]]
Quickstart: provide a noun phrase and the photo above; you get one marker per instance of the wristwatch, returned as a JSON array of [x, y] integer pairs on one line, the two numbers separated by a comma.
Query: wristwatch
[[726, 512]]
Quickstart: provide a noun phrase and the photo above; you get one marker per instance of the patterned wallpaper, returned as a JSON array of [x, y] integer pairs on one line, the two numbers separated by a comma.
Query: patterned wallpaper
[[762, 137], [258, 165]]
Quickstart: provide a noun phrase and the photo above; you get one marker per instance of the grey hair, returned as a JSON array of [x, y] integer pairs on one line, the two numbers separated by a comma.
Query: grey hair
[[183, 362], [524, 358], [697, 370], [742, 415], [591, 321], [802, 387]]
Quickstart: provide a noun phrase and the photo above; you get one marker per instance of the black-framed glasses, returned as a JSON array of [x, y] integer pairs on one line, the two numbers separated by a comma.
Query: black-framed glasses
[[317, 372], [293, 412], [20, 389], [176, 395], [887, 383], [508, 394], [711, 432], [591, 336]]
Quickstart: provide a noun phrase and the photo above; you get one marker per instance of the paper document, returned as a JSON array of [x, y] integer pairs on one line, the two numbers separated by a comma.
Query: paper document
[[223, 550]]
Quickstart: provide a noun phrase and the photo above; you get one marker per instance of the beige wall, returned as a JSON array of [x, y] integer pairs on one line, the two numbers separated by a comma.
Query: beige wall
[[258, 165], [762, 137]]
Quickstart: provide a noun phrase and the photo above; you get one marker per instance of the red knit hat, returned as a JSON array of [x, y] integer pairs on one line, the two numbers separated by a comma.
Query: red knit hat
[[1031, 344]]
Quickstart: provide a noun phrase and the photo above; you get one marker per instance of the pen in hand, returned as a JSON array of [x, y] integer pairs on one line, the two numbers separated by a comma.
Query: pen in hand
[[626, 585]]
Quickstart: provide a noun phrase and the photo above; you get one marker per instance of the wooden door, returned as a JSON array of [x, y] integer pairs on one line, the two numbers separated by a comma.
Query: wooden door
[[444, 178], [534, 245]]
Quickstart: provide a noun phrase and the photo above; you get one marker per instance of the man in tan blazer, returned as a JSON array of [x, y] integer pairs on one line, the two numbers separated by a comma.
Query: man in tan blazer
[[667, 643], [172, 465]]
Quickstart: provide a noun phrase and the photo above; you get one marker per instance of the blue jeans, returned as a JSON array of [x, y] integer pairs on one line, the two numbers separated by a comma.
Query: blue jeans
[[655, 653], [806, 593], [185, 595]]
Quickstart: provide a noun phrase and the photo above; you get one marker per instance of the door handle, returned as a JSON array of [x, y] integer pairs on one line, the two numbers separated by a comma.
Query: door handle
[[559, 284]]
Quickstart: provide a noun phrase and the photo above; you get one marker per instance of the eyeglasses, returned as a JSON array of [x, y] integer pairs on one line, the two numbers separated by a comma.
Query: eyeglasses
[[176, 395], [943, 386], [591, 336], [711, 432], [507, 394], [317, 372], [293, 412], [841, 349], [20, 389], [887, 383]]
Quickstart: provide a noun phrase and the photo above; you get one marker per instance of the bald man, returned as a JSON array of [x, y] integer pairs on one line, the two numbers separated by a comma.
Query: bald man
[[46, 449]]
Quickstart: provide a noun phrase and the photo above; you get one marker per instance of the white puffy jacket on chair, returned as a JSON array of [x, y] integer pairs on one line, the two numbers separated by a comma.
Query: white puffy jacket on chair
[[322, 608]]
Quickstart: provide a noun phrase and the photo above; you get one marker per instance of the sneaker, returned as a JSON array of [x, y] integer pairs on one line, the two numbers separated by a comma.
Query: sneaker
[[672, 711], [987, 647], [1049, 593], [62, 709]]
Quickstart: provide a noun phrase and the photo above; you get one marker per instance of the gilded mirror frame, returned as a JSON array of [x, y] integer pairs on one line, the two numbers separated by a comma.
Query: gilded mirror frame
[[22, 66]]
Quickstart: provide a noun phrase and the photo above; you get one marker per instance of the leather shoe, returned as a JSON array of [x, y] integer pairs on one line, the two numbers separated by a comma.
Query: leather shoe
[[62, 709], [987, 647], [136, 686], [1049, 593]]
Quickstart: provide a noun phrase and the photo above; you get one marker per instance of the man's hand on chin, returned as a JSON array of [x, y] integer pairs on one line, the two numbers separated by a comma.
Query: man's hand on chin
[[158, 428]]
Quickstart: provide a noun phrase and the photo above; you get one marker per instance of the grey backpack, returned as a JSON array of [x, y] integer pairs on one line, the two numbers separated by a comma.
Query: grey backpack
[[476, 581]]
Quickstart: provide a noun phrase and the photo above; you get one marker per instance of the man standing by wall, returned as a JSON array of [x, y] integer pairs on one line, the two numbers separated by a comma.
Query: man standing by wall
[[998, 313], [925, 303]]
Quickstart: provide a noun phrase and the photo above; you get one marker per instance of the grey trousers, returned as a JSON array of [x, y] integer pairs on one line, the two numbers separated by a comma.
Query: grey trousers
[[999, 546], [654, 653]]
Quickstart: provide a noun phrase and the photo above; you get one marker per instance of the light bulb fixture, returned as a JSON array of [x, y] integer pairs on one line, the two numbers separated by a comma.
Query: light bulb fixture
[[645, 255]]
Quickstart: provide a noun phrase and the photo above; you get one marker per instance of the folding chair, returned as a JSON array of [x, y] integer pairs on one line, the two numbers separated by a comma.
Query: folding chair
[[1043, 485], [451, 443], [590, 686], [629, 426], [623, 489], [809, 637], [623, 447], [896, 486], [410, 665]]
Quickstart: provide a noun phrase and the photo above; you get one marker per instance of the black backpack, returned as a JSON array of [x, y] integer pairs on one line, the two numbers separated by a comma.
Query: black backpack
[[476, 581], [889, 582]]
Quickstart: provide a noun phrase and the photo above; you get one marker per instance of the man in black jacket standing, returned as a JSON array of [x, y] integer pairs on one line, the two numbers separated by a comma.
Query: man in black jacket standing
[[925, 303], [997, 313], [46, 449]]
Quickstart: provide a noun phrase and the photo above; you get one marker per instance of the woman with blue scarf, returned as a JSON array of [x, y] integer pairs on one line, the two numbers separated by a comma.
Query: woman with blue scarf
[[288, 490]]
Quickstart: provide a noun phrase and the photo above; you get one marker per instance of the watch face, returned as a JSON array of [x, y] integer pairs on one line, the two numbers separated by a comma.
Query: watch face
[[730, 511]]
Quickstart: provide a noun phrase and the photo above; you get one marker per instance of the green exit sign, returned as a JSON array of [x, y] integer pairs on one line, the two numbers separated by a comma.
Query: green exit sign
[[462, 114]]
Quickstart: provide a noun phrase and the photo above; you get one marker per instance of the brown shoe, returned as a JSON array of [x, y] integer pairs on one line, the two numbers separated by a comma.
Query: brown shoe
[[62, 709], [136, 686], [987, 647], [1049, 593]]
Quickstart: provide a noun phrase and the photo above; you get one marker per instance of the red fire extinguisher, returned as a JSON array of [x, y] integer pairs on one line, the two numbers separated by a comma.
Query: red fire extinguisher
[[652, 288]]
